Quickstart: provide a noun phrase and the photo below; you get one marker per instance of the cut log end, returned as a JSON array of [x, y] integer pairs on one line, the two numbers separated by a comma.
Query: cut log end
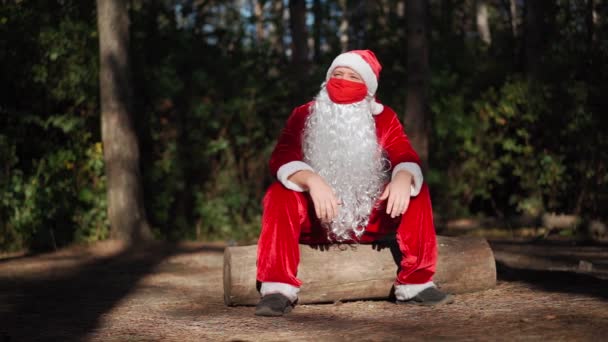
[[357, 272]]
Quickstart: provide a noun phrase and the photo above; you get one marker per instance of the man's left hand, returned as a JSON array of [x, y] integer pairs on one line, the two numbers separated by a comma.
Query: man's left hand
[[398, 192]]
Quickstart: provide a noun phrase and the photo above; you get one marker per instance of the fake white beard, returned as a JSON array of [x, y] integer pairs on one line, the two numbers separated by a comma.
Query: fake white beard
[[340, 144]]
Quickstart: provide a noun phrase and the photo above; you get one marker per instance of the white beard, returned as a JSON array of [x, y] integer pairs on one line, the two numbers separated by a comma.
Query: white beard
[[340, 144]]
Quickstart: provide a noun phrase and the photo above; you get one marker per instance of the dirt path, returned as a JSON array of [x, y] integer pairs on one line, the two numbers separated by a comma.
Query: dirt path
[[174, 293]]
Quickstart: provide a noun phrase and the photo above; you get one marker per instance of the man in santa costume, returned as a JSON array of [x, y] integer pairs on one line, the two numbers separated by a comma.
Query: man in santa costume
[[346, 174]]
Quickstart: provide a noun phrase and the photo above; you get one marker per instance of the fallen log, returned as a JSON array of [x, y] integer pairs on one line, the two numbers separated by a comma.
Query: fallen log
[[355, 272]]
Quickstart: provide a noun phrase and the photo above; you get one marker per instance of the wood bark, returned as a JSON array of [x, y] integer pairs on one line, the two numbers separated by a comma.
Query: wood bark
[[539, 21], [533, 38], [514, 17], [417, 123], [343, 30], [299, 37], [354, 272], [120, 144], [590, 21], [385, 12], [509, 7], [318, 24], [483, 24], [359, 12], [277, 31], [447, 17], [258, 11]]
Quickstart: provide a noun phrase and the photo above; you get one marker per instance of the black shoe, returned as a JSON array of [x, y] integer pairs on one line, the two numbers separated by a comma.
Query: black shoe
[[274, 304], [429, 296]]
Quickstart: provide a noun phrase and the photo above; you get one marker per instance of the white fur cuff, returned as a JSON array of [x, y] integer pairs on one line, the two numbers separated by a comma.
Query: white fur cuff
[[409, 291], [289, 169], [287, 290], [415, 170]]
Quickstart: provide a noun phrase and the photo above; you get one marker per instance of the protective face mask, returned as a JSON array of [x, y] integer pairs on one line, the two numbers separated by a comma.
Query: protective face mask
[[344, 91]]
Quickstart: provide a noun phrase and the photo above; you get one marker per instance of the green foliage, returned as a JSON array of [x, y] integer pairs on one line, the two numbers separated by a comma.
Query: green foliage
[[518, 150], [208, 168], [52, 185], [61, 198], [506, 142]]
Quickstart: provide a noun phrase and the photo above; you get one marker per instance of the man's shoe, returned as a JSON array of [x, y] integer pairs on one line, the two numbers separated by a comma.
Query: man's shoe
[[274, 304], [429, 296]]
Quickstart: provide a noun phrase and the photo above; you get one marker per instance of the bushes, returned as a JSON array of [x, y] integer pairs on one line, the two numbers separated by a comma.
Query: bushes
[[57, 197], [518, 149], [52, 187]]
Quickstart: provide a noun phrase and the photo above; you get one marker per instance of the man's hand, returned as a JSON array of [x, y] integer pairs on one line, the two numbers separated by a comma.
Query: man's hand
[[323, 197], [398, 192]]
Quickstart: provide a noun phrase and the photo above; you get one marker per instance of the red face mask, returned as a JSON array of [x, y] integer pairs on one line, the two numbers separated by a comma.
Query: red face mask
[[344, 92]]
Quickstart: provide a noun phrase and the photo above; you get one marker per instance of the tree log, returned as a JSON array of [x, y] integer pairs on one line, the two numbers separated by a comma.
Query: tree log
[[355, 272]]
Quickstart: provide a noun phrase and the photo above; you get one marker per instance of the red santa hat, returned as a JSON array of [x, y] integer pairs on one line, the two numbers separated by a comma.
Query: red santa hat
[[364, 63]]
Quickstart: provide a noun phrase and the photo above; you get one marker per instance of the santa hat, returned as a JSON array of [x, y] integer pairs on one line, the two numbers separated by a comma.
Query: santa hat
[[364, 63]]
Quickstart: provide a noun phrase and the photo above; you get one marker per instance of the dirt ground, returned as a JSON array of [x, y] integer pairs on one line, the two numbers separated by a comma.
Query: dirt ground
[[173, 292]]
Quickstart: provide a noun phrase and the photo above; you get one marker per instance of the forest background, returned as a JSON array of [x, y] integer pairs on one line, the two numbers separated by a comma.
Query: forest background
[[502, 98]]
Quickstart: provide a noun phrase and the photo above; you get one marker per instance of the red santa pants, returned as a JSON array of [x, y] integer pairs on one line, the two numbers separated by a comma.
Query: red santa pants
[[289, 218]]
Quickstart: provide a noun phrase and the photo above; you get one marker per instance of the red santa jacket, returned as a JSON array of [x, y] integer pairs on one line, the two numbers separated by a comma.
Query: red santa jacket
[[389, 131]]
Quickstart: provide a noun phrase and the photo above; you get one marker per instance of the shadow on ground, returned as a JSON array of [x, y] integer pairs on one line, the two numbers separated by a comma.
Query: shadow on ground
[[555, 281], [67, 305]]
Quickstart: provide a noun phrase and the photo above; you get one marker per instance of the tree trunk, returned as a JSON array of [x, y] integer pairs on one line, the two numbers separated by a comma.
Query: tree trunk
[[539, 21], [353, 272], [121, 149], [416, 120], [533, 38], [299, 37], [344, 26], [259, 21], [510, 8], [514, 17], [385, 13], [590, 21], [483, 25], [278, 28], [359, 12], [447, 17], [318, 24]]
